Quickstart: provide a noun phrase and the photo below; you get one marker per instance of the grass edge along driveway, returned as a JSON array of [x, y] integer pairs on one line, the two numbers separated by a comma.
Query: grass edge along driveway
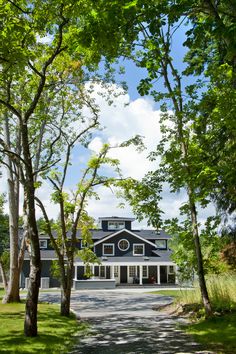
[[56, 334]]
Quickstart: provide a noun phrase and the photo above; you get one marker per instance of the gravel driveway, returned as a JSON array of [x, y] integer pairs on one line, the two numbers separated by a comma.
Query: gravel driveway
[[124, 322]]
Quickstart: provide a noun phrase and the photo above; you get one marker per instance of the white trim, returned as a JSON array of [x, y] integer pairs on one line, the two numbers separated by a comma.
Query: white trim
[[134, 262], [129, 232], [108, 244], [138, 244], [123, 239]]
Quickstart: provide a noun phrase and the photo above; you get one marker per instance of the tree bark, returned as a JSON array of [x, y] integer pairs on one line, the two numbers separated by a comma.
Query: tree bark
[[4, 277], [201, 275], [12, 294], [66, 291], [31, 308]]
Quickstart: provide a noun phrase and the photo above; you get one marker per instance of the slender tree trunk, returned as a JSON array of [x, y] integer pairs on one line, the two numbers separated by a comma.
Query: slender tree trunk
[[31, 308], [66, 289], [3, 274], [12, 294], [65, 301], [201, 275]]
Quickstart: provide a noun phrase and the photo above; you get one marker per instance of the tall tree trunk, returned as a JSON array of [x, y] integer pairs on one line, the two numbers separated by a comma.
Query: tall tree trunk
[[3, 274], [66, 290], [201, 275], [12, 294], [31, 308]]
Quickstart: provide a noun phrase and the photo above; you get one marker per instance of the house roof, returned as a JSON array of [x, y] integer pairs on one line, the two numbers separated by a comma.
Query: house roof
[[115, 218], [164, 257], [44, 254], [120, 231]]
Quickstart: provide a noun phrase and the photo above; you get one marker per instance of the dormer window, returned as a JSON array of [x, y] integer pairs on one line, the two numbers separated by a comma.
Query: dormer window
[[116, 225], [43, 243], [161, 244]]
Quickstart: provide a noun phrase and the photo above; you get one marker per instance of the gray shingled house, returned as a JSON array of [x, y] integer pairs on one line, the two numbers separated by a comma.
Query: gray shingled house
[[126, 256]]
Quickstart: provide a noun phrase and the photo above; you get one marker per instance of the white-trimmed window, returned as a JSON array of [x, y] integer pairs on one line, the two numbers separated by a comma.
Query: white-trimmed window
[[123, 245], [145, 271], [138, 249], [108, 249], [161, 244], [102, 272], [132, 271], [43, 243], [116, 271], [171, 270], [116, 225]]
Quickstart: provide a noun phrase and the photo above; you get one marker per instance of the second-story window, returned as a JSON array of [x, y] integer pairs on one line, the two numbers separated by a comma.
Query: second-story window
[[43, 243], [108, 249], [138, 249], [123, 245], [116, 225], [161, 244]]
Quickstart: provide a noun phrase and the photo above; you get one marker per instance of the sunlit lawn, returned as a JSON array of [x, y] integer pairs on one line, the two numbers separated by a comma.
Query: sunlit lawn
[[217, 333], [56, 333], [174, 293]]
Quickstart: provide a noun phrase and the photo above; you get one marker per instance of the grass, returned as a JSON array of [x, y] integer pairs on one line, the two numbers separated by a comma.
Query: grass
[[173, 293], [56, 333], [217, 333]]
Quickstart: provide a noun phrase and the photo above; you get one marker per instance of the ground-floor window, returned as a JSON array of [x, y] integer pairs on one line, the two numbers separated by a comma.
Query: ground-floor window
[[102, 272], [145, 271], [132, 271], [116, 271]]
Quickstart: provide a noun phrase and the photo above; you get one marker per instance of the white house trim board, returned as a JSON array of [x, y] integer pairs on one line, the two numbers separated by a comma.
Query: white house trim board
[[137, 263], [129, 232]]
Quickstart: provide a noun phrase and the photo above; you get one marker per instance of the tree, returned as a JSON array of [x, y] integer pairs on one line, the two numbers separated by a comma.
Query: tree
[[72, 215], [4, 243], [42, 46]]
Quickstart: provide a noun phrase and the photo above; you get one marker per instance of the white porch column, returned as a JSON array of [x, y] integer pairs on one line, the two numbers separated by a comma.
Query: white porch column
[[76, 272], [158, 275], [92, 270], [140, 275], [112, 274]]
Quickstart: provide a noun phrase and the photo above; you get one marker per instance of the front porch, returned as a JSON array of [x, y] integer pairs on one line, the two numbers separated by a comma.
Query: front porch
[[130, 274]]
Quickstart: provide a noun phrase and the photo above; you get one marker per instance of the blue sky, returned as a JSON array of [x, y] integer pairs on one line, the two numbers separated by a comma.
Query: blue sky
[[121, 122]]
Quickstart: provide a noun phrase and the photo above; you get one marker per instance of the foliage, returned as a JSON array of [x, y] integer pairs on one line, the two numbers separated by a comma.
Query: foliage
[[56, 334], [182, 245], [221, 291]]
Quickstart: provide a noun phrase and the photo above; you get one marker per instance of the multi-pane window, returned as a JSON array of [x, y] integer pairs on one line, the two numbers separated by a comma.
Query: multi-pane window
[[145, 271], [138, 249], [43, 243], [161, 244], [116, 225], [123, 245], [171, 269], [116, 271], [132, 271], [102, 272], [108, 249]]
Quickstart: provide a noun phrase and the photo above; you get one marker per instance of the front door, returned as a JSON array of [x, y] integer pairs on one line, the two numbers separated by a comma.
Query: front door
[[163, 274], [123, 274]]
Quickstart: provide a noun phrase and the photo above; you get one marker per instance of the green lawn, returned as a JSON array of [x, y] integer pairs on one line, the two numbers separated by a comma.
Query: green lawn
[[217, 333], [56, 333], [174, 293]]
